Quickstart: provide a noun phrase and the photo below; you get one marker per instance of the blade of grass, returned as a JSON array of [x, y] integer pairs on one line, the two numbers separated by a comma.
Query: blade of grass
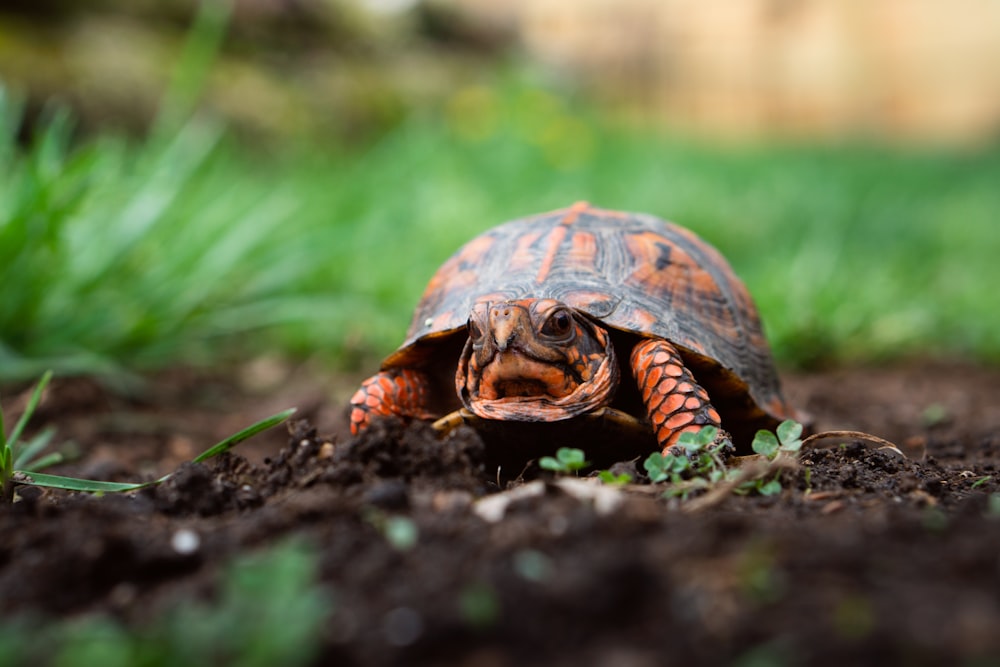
[[74, 484], [36, 396], [248, 432], [3, 438], [33, 448], [6, 470], [93, 486], [194, 65], [42, 462]]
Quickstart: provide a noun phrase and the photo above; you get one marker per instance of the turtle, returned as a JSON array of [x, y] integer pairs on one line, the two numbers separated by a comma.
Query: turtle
[[584, 312]]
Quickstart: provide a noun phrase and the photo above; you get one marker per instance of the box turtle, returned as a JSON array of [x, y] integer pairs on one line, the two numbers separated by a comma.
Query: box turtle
[[583, 312]]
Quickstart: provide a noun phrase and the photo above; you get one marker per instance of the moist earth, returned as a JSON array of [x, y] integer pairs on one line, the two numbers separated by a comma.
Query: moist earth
[[865, 557]]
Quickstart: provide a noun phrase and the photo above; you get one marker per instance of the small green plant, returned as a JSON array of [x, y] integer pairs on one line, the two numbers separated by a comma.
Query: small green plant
[[765, 487], [661, 468], [20, 464], [613, 479], [479, 605], [14, 457], [934, 414], [703, 464], [401, 532], [982, 480], [787, 439], [567, 460], [699, 467], [29, 456]]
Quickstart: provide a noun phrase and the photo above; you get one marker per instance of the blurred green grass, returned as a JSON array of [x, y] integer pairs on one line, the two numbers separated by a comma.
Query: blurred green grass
[[190, 247], [267, 610]]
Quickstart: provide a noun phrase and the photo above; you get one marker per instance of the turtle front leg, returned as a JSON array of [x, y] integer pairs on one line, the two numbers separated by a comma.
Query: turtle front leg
[[674, 401], [399, 392]]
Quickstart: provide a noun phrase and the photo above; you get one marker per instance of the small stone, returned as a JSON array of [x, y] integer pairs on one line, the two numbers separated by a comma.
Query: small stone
[[185, 541], [402, 626]]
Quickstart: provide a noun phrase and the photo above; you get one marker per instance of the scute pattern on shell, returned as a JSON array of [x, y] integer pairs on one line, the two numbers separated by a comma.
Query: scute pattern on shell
[[632, 272]]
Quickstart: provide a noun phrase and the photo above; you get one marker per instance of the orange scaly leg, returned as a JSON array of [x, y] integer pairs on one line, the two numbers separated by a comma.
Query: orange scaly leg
[[675, 402], [400, 392]]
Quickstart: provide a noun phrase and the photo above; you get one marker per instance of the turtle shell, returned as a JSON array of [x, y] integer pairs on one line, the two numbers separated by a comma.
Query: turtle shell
[[634, 273]]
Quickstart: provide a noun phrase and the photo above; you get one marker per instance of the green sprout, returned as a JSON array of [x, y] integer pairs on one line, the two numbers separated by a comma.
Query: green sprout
[[400, 532], [28, 457], [661, 468], [20, 464], [770, 487], [567, 460], [703, 464], [786, 439], [934, 414], [479, 605], [982, 480], [613, 479], [15, 457]]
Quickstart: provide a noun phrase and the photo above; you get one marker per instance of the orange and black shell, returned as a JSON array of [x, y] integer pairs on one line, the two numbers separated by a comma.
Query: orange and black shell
[[632, 272]]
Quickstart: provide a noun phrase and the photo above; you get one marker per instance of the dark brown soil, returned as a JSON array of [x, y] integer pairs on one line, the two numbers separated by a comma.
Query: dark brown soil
[[864, 558]]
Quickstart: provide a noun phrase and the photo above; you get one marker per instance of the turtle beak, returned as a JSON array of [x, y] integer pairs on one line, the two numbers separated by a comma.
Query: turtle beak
[[505, 321]]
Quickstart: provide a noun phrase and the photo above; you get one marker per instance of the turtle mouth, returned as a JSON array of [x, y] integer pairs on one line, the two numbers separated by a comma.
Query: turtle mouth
[[522, 387], [512, 374]]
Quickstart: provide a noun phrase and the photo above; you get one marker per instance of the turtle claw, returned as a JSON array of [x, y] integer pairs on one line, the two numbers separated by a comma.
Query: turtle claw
[[452, 420]]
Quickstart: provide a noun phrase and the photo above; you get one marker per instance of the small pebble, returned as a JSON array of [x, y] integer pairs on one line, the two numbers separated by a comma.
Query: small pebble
[[402, 626], [185, 541], [389, 494], [558, 525]]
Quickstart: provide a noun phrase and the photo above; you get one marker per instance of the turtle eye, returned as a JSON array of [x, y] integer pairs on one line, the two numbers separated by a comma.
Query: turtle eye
[[558, 325]]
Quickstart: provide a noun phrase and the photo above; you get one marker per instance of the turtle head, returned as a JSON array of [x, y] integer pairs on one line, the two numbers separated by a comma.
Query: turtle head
[[534, 360]]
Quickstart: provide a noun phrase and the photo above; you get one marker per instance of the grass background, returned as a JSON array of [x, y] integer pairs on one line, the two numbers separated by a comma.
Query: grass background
[[192, 245], [119, 255]]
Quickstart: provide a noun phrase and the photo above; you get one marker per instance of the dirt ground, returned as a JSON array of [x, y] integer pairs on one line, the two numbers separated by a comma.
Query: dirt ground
[[866, 557]]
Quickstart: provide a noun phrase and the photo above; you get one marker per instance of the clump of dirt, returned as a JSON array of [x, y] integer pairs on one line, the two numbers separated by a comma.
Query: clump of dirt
[[866, 556], [411, 455]]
